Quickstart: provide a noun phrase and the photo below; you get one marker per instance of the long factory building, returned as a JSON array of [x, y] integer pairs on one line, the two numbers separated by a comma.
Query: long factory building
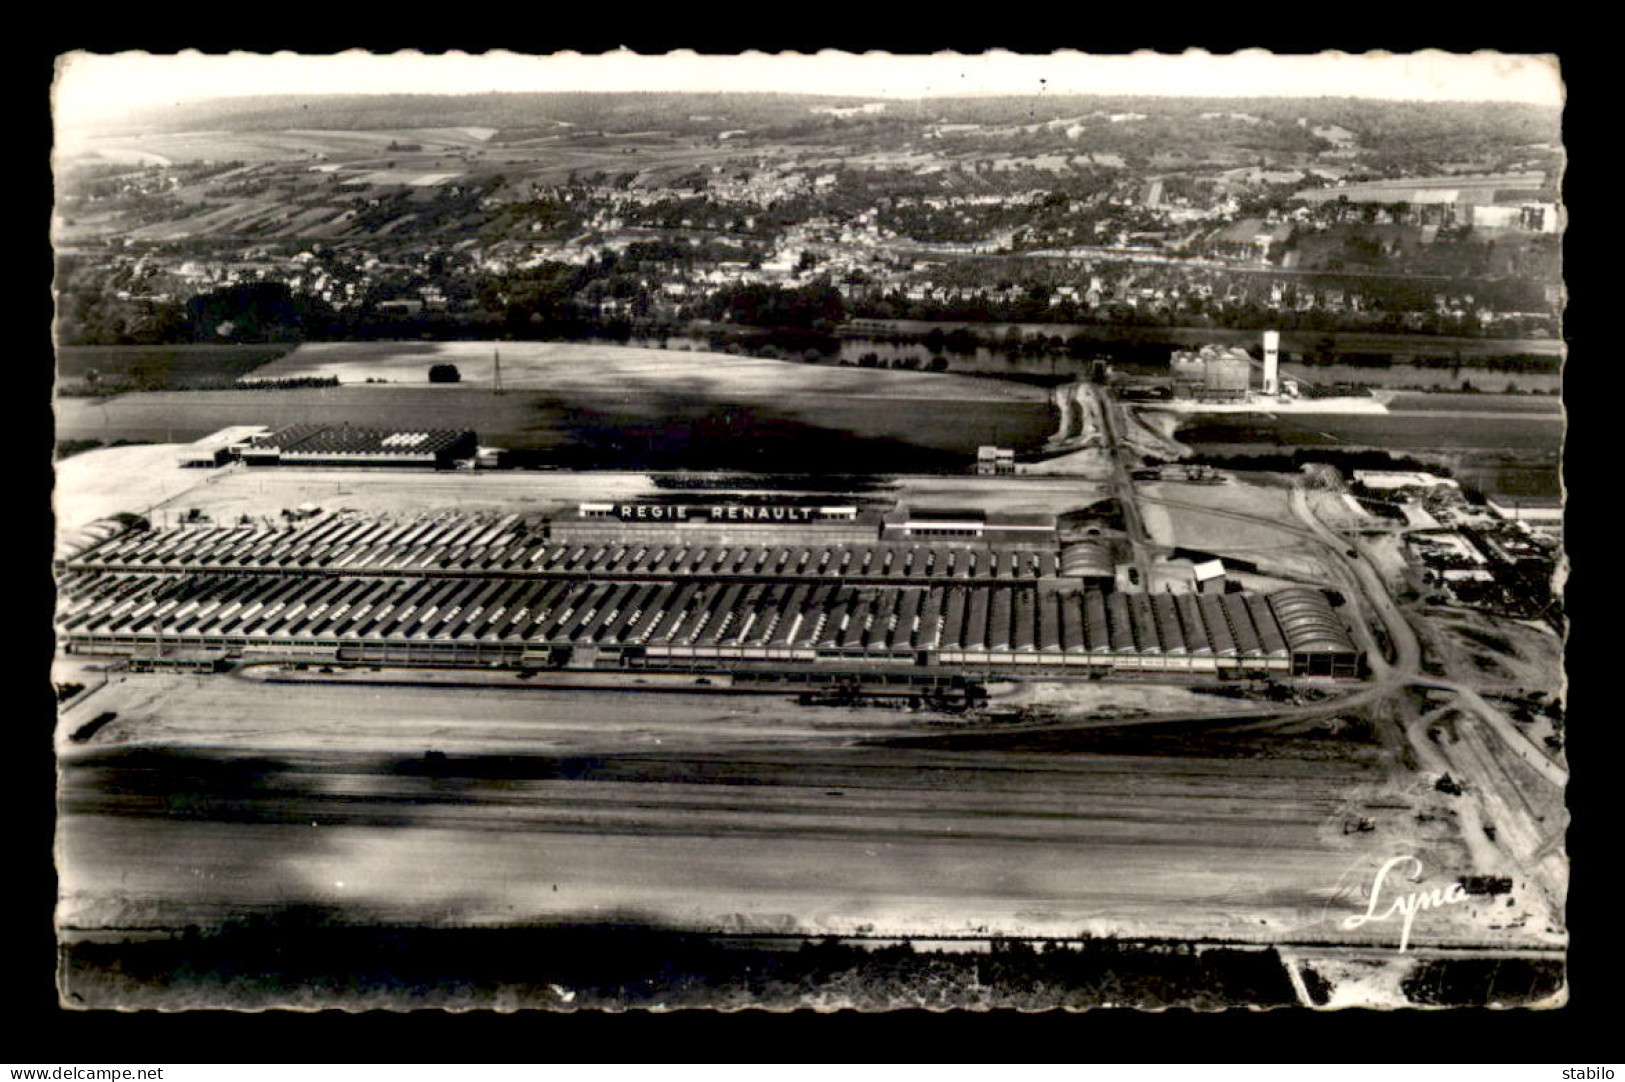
[[464, 589]]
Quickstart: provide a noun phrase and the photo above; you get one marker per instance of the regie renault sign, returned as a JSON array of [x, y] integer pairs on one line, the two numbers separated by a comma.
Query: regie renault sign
[[730, 512]]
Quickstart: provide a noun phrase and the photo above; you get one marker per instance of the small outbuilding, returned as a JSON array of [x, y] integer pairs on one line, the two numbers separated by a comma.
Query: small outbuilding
[[1208, 577]]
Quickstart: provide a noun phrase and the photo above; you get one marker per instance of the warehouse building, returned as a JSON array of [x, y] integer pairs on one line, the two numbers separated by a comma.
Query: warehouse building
[[77, 543], [948, 524], [342, 445], [1319, 642], [451, 543], [454, 589], [1090, 561], [1535, 509], [671, 622]]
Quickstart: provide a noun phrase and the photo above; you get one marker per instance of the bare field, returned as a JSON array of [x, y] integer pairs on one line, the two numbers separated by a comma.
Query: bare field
[[1200, 517], [1474, 404], [295, 718], [103, 482], [1105, 702], [1493, 653], [697, 813], [626, 408], [146, 479], [596, 369]]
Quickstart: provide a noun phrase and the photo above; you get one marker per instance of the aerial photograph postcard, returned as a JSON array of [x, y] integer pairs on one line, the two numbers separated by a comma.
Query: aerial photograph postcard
[[809, 531]]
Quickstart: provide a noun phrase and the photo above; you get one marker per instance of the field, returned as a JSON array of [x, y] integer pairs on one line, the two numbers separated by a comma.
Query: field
[[608, 407], [278, 146], [1509, 453], [1403, 429], [1426, 378], [695, 813], [1474, 404], [595, 369], [1195, 517], [299, 183], [160, 368]]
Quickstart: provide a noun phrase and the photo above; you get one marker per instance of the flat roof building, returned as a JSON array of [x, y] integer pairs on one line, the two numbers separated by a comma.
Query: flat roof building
[[342, 445], [968, 525], [721, 519], [1208, 577]]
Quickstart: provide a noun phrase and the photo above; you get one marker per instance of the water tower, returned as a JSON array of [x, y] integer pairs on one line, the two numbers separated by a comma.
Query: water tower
[[1272, 362]]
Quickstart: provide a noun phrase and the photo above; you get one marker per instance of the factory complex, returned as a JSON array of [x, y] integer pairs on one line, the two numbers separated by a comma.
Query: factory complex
[[460, 589], [747, 583], [1224, 374]]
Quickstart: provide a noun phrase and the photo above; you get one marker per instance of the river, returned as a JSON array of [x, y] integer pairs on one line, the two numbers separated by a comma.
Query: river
[[1149, 358]]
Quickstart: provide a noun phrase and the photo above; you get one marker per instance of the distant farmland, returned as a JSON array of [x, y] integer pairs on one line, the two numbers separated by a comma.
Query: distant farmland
[[162, 368], [285, 145], [601, 407]]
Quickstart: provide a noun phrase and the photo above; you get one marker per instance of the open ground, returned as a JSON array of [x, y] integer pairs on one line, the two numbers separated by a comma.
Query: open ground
[[590, 368], [206, 800], [607, 406], [1252, 522], [146, 480]]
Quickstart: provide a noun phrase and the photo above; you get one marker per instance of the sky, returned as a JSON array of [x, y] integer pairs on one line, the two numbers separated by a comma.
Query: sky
[[91, 88]]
